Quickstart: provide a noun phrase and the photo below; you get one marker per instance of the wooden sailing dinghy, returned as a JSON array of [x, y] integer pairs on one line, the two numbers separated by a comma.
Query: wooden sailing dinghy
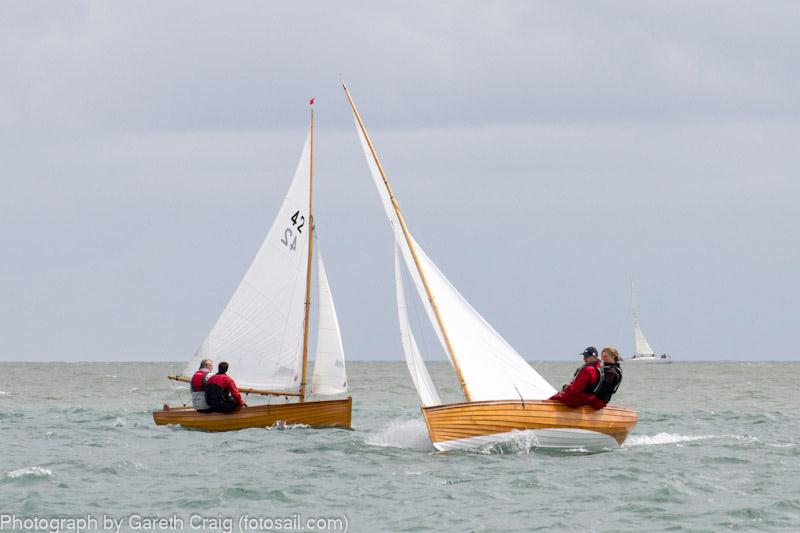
[[263, 332], [642, 352], [504, 394]]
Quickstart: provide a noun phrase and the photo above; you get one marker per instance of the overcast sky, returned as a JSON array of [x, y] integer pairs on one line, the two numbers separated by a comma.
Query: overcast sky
[[543, 154]]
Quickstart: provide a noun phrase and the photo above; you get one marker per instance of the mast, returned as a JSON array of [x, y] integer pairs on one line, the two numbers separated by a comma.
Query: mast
[[635, 318], [410, 244], [310, 250]]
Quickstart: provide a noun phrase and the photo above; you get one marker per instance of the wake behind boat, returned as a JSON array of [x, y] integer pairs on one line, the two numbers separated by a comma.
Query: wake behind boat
[[642, 352], [263, 332], [503, 393]]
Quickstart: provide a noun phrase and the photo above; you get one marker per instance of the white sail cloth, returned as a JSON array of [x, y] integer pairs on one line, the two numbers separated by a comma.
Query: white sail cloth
[[426, 390], [491, 368], [260, 331], [330, 376], [641, 348]]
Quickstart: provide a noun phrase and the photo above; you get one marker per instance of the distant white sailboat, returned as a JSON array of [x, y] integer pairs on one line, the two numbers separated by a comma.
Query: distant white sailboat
[[642, 351]]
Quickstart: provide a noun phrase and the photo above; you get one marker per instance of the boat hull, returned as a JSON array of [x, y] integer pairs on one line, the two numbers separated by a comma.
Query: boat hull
[[665, 361], [324, 413], [550, 424]]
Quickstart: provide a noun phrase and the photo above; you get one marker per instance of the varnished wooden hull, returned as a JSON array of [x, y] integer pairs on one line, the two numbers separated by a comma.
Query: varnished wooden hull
[[325, 413], [550, 424]]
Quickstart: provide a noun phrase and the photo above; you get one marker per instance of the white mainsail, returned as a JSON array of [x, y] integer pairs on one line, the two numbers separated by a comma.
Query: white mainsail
[[490, 367], [641, 348], [330, 376], [426, 390], [260, 331]]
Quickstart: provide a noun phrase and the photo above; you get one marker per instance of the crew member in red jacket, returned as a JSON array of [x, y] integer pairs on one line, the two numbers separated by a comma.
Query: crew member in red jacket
[[581, 390], [222, 395]]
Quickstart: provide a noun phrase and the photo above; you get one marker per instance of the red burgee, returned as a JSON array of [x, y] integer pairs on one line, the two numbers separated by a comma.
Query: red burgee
[[311, 102]]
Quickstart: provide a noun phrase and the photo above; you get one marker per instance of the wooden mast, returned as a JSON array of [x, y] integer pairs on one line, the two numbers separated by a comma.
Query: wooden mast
[[407, 235], [310, 250]]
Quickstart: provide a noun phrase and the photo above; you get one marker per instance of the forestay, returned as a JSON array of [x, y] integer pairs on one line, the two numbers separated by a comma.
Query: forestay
[[416, 366], [260, 331], [330, 376]]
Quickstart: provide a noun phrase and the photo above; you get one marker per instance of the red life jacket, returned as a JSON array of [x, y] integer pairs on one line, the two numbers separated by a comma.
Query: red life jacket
[[595, 379], [199, 380]]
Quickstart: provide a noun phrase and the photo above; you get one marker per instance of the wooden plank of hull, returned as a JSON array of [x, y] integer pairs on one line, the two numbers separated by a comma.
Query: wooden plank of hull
[[473, 419], [324, 413]]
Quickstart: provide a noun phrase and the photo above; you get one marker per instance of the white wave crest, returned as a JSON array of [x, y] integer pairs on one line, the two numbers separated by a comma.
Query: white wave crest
[[663, 438], [281, 426], [4, 393], [31, 471], [410, 434]]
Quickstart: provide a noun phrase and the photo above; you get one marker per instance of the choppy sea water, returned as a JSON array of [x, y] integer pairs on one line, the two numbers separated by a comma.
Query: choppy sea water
[[717, 447]]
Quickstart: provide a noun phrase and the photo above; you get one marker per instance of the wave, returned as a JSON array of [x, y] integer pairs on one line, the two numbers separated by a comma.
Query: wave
[[31, 472], [672, 438], [410, 434], [280, 425], [663, 438]]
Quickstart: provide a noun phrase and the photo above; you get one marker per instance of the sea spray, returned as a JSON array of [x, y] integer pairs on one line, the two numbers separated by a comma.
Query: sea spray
[[411, 434]]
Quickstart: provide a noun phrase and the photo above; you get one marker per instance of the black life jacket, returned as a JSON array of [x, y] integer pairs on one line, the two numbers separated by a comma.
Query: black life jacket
[[216, 396], [610, 379]]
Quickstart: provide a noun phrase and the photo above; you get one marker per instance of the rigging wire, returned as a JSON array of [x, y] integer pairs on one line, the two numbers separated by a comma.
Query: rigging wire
[[177, 393]]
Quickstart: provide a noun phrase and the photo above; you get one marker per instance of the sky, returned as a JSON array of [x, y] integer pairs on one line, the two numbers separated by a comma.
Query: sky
[[544, 154]]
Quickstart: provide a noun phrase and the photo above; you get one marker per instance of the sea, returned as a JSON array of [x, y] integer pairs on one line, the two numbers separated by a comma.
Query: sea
[[716, 448]]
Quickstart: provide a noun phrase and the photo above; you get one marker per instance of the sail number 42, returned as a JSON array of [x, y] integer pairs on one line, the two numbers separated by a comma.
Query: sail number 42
[[298, 221]]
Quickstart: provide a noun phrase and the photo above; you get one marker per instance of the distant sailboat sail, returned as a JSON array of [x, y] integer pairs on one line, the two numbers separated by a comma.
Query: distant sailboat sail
[[330, 376], [641, 348]]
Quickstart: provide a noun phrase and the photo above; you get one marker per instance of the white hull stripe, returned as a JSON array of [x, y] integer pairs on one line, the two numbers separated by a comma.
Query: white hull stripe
[[536, 438]]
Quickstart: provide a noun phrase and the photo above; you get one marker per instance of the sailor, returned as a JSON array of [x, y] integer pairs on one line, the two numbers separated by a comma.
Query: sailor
[[581, 390], [198, 385], [222, 395], [610, 377]]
